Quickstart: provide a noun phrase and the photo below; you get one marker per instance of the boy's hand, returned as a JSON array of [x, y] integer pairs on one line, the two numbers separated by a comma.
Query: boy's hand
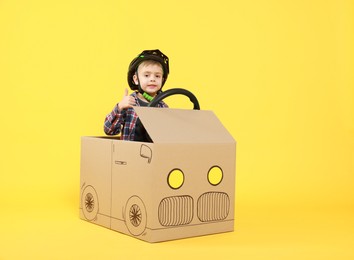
[[127, 101]]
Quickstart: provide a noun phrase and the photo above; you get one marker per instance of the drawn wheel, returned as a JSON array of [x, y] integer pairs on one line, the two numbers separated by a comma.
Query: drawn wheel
[[135, 216], [89, 202]]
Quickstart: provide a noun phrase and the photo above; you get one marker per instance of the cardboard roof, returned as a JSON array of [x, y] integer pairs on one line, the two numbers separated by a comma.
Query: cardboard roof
[[167, 125]]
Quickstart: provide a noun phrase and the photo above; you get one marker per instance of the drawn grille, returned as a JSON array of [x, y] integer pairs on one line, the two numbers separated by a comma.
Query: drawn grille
[[213, 206], [176, 211]]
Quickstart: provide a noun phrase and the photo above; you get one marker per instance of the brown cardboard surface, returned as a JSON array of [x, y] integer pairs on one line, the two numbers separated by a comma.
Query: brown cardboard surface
[[183, 126], [125, 186]]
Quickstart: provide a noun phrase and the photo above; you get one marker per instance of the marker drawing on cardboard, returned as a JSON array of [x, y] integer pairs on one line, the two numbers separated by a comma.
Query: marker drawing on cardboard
[[176, 176], [146, 152], [181, 184]]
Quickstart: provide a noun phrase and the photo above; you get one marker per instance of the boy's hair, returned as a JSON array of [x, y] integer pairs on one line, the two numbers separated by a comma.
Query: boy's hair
[[150, 62]]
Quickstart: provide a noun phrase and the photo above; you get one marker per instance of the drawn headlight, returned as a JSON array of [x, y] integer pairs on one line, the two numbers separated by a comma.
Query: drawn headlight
[[215, 175], [175, 179]]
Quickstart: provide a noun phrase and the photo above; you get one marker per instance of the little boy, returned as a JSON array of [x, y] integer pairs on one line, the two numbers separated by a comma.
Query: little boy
[[147, 74]]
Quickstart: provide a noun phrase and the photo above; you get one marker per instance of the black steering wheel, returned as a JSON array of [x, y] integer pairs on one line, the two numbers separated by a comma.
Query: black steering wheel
[[175, 91]]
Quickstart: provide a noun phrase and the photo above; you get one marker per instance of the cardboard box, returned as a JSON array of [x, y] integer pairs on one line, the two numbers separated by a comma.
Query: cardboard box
[[181, 185]]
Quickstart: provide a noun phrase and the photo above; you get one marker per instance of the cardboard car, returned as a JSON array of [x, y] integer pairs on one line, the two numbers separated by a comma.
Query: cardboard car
[[182, 184]]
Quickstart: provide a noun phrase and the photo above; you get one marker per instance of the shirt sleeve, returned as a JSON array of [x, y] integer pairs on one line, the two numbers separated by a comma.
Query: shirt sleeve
[[114, 121], [162, 104]]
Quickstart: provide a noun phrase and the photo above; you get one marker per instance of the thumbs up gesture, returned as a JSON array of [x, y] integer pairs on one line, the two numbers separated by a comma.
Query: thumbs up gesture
[[127, 101]]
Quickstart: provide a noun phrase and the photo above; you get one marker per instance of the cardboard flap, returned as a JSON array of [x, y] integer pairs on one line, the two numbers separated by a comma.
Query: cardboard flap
[[166, 125]]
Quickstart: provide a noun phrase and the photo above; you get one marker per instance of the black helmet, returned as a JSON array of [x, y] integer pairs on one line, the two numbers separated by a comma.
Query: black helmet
[[155, 55]]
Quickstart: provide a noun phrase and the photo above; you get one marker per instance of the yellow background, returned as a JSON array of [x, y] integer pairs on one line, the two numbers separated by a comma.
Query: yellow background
[[278, 74]]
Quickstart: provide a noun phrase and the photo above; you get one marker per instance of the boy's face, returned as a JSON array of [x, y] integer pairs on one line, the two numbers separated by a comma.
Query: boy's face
[[150, 77]]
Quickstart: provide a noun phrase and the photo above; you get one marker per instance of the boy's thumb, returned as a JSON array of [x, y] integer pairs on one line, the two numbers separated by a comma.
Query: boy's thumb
[[126, 92]]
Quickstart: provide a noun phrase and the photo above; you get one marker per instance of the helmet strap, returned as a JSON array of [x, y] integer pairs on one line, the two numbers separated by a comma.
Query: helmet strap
[[145, 95]]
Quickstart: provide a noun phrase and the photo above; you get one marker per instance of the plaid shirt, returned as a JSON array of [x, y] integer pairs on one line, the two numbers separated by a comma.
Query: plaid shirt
[[123, 122]]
